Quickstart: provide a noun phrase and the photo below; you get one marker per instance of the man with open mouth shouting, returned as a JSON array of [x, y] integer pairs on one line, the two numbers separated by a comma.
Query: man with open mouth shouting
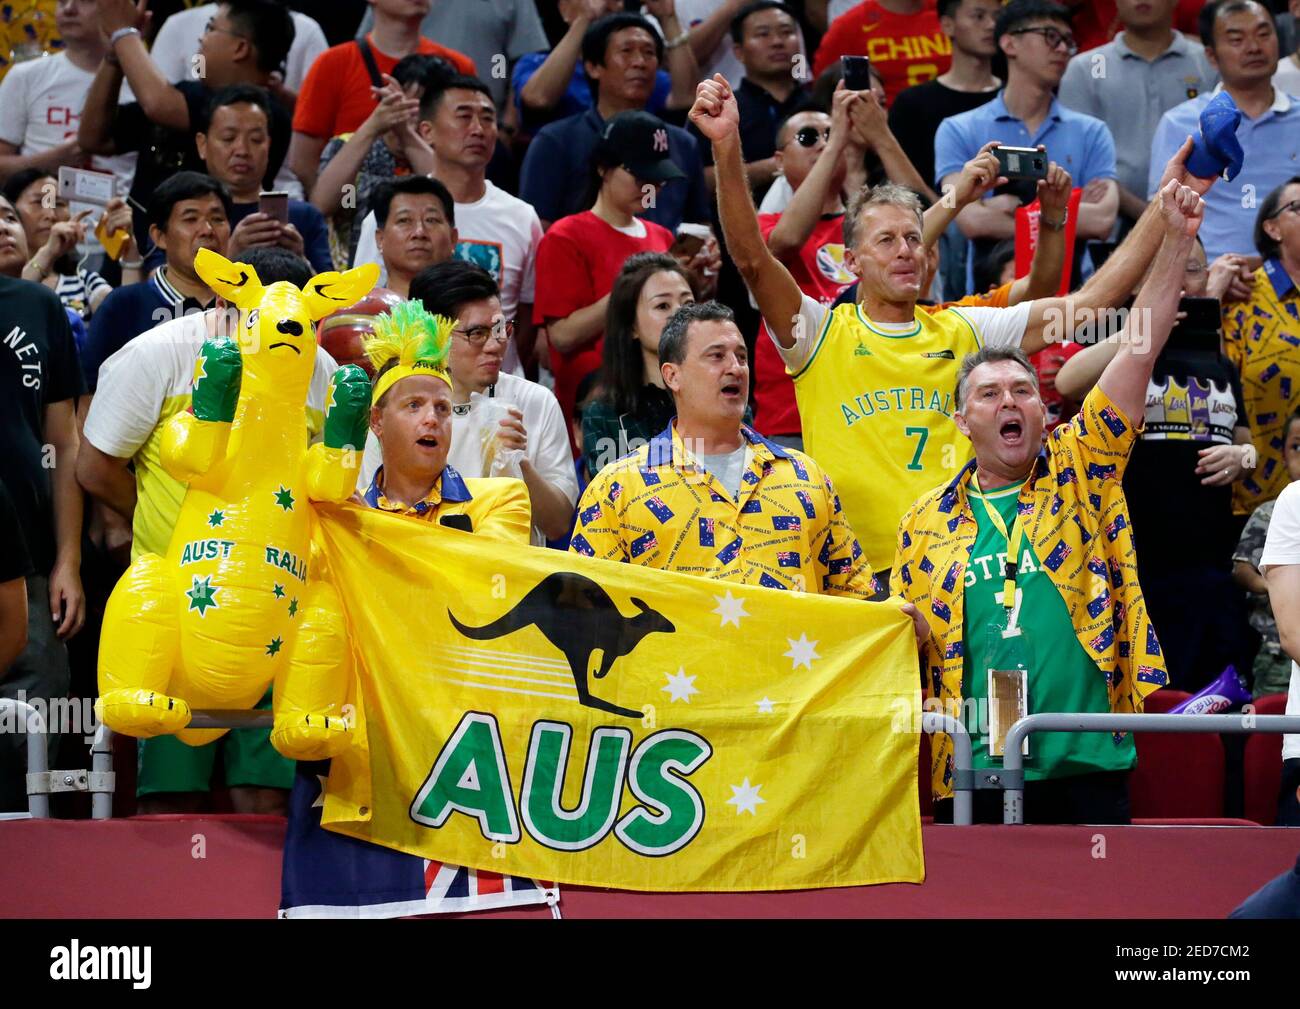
[[1024, 563]]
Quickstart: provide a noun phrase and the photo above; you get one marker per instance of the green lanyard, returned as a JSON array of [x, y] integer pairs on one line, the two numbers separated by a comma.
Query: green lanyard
[[1014, 540]]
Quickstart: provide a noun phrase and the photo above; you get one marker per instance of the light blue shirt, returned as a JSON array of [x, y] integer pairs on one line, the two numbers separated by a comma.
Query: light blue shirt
[[1080, 143], [1130, 93], [1271, 144]]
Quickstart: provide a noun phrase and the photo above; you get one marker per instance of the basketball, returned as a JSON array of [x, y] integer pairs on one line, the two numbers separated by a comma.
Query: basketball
[[341, 333]]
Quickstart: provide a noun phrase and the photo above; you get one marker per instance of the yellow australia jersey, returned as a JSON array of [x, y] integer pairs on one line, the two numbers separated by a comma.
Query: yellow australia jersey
[[1261, 337], [876, 404], [659, 508], [140, 388]]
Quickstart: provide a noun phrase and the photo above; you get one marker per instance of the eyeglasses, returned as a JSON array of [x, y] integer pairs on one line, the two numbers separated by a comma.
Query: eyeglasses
[[806, 136], [211, 26], [478, 336], [1052, 37], [1293, 206]]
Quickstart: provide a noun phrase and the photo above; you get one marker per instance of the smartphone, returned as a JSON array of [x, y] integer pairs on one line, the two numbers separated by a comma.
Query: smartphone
[[857, 72], [275, 205], [78, 185], [1021, 162]]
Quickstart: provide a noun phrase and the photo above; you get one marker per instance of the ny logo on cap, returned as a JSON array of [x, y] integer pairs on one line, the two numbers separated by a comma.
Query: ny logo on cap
[[661, 141]]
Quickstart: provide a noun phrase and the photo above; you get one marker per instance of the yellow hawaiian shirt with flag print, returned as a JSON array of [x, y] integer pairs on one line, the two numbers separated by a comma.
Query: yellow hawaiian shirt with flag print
[[1261, 336], [489, 506], [660, 508], [1076, 517]]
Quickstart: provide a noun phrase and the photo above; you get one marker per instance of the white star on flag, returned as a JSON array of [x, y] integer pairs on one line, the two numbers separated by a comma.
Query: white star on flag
[[680, 686], [764, 706], [730, 609], [802, 652], [745, 798]]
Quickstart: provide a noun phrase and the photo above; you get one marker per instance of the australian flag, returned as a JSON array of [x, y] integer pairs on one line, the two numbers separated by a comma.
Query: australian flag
[[328, 875]]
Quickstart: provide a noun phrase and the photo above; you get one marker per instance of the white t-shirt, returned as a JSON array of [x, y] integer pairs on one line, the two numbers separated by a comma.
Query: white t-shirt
[[548, 439], [500, 233], [690, 15], [141, 386], [153, 367], [40, 107], [778, 196], [997, 327], [178, 42], [1282, 548], [1287, 77]]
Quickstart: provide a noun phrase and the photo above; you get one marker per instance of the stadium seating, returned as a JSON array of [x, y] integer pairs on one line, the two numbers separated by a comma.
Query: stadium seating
[[1178, 776], [1262, 767]]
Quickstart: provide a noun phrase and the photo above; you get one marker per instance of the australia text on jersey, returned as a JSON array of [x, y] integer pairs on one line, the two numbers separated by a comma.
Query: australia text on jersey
[[900, 397]]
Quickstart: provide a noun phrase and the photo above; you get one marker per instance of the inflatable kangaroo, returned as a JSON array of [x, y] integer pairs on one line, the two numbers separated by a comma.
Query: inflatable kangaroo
[[230, 609]]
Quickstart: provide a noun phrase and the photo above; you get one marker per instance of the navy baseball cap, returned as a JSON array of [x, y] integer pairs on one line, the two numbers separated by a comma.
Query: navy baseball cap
[[641, 141]]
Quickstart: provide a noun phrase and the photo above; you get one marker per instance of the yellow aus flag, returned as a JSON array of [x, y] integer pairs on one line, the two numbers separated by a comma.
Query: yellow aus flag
[[546, 715]]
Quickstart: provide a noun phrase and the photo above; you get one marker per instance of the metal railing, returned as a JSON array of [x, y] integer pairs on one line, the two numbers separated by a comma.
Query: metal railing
[[101, 754], [1009, 778], [963, 802], [38, 755], [1013, 778]]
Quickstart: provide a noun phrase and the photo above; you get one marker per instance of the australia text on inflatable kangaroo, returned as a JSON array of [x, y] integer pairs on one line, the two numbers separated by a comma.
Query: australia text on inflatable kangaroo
[[230, 609]]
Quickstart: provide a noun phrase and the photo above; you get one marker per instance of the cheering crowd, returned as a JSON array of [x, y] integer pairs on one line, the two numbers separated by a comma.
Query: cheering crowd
[[966, 326]]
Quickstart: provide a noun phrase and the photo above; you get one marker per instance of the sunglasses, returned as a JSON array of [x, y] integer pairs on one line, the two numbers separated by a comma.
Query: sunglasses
[[806, 136]]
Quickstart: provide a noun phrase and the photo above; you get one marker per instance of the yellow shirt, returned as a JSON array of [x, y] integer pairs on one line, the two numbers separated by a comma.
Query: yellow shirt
[[498, 507], [876, 404], [1077, 519], [1262, 338], [659, 508]]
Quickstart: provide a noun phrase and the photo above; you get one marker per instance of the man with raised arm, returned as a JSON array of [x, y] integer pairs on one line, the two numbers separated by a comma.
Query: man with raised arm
[[1024, 563], [874, 380]]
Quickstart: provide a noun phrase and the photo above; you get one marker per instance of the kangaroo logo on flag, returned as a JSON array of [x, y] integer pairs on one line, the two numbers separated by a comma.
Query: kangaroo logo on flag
[[577, 616], [661, 141]]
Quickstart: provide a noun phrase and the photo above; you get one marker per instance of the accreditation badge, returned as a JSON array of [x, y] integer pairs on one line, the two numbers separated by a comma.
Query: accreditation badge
[[1009, 659]]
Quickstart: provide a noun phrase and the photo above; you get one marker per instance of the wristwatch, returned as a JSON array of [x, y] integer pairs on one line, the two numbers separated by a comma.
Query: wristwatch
[[121, 33], [1053, 225], [680, 40]]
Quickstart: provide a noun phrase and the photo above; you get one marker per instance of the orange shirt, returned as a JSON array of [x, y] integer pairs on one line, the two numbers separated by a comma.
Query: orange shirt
[[996, 298], [335, 96]]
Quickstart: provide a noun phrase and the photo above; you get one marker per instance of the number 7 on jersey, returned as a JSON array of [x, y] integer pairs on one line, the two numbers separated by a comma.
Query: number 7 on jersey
[[923, 435]]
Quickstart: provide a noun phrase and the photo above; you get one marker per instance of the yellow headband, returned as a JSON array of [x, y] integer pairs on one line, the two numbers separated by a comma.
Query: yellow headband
[[417, 340], [398, 372]]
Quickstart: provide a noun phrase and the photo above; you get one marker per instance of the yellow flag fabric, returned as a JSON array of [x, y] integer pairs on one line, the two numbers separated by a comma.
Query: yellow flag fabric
[[546, 715]]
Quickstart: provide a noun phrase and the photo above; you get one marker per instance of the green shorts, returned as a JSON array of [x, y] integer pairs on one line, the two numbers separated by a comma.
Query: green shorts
[[165, 764]]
